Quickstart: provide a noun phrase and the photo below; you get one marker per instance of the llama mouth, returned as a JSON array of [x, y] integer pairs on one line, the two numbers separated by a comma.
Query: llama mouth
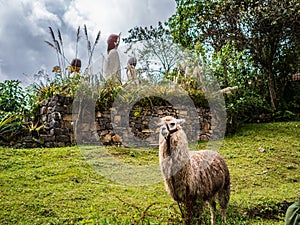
[[164, 132]]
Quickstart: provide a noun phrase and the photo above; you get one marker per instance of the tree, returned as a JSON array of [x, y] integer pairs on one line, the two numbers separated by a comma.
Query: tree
[[269, 30], [235, 69], [157, 44]]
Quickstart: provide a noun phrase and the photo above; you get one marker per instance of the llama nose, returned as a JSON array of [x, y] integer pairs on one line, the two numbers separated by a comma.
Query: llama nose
[[164, 132]]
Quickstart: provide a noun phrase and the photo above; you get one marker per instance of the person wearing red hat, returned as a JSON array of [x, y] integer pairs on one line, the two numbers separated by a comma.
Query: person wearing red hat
[[112, 67]]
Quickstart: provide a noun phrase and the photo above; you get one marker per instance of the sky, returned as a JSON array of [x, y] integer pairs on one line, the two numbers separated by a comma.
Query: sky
[[24, 28]]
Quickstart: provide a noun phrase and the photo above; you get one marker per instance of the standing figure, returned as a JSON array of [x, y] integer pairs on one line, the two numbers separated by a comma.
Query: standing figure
[[112, 67], [131, 71]]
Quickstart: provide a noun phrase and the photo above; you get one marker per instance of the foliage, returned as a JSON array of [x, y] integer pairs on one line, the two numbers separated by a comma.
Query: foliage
[[57, 44], [285, 115], [46, 86], [11, 125], [17, 105], [190, 84], [19, 108], [236, 69], [107, 95], [46, 186], [291, 97], [267, 30], [146, 33], [13, 97], [157, 46], [104, 94], [90, 48]]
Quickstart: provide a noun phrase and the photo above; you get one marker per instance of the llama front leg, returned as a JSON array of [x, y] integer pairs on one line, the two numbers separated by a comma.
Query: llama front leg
[[189, 212]]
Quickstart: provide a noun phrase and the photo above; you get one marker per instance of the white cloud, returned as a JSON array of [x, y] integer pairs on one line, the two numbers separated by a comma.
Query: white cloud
[[117, 16], [24, 27], [3, 76], [40, 16]]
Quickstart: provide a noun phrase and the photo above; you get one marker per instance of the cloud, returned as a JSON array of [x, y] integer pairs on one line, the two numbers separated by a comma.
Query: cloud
[[21, 38], [39, 17], [116, 16], [3, 76], [24, 28]]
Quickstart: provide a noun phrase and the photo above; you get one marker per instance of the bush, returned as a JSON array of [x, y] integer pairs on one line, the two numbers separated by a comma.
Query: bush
[[15, 104], [11, 125], [13, 97]]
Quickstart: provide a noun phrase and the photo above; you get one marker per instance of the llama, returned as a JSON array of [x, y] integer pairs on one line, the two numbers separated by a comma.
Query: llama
[[192, 178]]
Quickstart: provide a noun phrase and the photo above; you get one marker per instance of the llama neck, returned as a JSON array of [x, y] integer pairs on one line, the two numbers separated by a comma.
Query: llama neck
[[177, 170], [168, 147], [177, 162], [179, 147], [174, 147]]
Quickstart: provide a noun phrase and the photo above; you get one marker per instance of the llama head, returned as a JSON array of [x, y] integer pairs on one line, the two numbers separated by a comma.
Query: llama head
[[170, 125]]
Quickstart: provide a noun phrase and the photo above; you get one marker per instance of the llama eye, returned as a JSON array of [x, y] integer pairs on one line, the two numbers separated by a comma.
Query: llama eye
[[172, 124]]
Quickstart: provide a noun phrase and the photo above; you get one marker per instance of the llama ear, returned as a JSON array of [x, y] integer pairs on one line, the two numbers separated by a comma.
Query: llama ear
[[180, 121], [159, 124]]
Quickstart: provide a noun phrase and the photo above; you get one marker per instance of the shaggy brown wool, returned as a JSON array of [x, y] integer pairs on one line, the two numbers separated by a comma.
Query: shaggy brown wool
[[192, 178]]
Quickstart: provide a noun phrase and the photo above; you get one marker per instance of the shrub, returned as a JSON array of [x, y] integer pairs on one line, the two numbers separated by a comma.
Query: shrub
[[11, 125], [13, 97]]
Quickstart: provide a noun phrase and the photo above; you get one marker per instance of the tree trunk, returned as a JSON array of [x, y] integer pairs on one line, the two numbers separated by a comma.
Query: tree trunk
[[272, 91]]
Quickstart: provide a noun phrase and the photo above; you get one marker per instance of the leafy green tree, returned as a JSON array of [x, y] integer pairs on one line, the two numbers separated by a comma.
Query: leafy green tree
[[233, 68], [157, 44], [266, 29]]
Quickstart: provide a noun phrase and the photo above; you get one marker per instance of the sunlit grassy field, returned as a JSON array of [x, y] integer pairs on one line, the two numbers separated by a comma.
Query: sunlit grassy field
[[60, 185]]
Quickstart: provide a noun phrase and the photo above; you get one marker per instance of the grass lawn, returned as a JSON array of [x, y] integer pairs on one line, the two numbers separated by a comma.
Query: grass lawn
[[60, 185]]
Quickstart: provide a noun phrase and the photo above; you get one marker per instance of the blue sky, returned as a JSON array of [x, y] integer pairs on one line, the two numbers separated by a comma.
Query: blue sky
[[24, 28]]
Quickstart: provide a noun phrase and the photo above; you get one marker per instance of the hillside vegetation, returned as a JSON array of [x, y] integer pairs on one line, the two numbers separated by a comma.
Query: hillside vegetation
[[58, 186]]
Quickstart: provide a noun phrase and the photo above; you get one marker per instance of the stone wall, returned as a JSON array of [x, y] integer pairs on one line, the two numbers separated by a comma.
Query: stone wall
[[56, 115], [65, 126]]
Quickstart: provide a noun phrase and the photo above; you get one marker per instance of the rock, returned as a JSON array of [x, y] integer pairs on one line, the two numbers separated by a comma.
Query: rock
[[49, 144], [107, 139], [54, 124], [261, 149], [204, 137], [98, 114], [55, 116], [104, 132], [47, 138], [58, 108], [117, 119], [116, 139], [67, 117], [44, 118], [43, 110], [62, 138]]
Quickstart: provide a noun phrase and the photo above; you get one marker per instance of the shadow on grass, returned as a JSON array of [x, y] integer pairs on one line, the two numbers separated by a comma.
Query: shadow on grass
[[271, 212], [239, 215]]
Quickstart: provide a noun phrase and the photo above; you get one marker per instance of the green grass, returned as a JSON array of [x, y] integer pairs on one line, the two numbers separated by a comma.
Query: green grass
[[60, 185]]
